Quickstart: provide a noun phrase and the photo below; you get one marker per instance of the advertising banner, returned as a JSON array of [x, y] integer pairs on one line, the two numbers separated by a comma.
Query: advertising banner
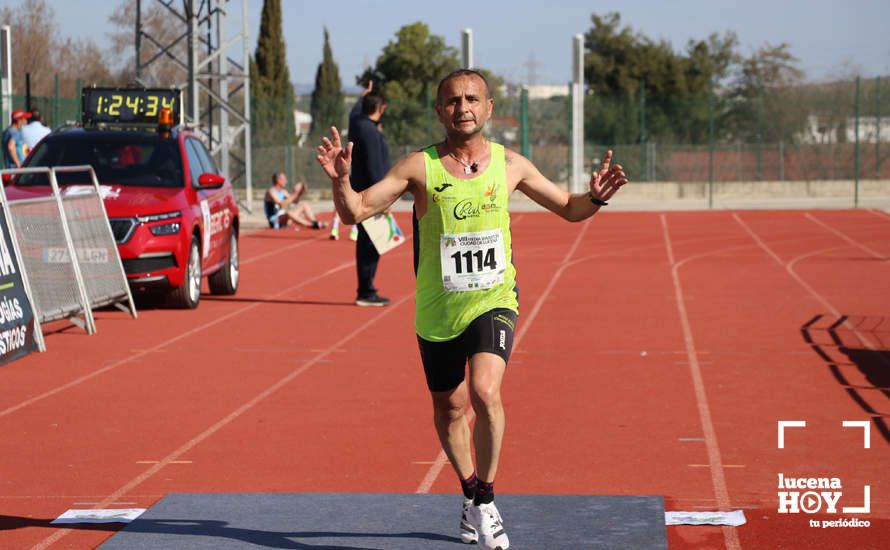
[[16, 314]]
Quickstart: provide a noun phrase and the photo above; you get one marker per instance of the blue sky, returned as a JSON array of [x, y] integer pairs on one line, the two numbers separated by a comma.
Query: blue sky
[[828, 36]]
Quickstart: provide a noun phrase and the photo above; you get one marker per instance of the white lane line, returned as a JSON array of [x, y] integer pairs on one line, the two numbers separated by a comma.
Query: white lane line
[[844, 236], [730, 536], [789, 268], [192, 443], [440, 461], [790, 264], [279, 251], [883, 214], [165, 343]]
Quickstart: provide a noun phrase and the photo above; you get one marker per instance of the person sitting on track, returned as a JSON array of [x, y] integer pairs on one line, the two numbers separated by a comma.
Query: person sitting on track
[[283, 208], [466, 296]]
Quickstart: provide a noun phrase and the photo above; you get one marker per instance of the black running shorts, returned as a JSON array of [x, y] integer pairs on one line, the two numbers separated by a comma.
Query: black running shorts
[[444, 363]]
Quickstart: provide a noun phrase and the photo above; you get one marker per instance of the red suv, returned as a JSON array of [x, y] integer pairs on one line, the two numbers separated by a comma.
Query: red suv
[[173, 215]]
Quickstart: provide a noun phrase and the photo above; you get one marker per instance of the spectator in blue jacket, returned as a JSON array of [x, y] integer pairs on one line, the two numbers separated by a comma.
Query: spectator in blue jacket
[[370, 162]]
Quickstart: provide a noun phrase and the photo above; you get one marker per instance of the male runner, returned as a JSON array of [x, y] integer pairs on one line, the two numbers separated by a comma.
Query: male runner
[[466, 295]]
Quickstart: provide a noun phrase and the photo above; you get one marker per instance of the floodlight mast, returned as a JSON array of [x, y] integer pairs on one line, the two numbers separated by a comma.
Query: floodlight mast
[[207, 76]]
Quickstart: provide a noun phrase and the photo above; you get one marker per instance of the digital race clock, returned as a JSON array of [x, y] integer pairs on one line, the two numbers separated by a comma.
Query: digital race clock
[[129, 105]]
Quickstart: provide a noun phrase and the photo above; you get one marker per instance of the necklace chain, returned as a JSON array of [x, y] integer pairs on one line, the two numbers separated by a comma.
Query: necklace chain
[[469, 167]]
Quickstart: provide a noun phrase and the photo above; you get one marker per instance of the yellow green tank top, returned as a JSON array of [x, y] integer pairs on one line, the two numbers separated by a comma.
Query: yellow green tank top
[[463, 254]]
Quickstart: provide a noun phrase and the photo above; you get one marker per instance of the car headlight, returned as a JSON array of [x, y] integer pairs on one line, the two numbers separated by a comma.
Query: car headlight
[[159, 217], [164, 229], [171, 228]]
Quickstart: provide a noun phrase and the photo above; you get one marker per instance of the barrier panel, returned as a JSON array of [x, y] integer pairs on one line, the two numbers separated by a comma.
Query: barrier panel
[[104, 276], [20, 332], [68, 250]]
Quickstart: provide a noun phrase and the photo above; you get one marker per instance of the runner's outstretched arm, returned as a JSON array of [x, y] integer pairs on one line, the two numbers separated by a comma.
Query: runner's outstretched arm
[[354, 207], [604, 183]]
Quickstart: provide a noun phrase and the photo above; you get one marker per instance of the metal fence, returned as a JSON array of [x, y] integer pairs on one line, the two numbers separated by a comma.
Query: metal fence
[[837, 131]]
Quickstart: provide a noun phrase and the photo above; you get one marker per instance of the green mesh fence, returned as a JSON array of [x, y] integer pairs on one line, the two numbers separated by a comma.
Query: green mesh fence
[[56, 111], [836, 131]]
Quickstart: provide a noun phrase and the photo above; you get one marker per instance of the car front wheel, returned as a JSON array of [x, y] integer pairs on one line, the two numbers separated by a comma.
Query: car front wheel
[[188, 294]]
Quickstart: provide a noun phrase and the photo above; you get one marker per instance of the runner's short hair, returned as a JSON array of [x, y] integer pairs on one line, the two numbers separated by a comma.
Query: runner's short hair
[[459, 73]]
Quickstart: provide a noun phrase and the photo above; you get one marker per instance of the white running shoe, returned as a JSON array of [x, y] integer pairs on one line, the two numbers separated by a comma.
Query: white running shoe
[[487, 521], [468, 534]]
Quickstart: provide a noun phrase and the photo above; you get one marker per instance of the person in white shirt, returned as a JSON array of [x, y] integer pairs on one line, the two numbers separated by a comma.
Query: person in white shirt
[[34, 131]]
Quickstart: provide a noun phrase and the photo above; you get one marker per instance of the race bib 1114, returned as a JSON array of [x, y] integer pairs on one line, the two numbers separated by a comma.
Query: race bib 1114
[[472, 261]]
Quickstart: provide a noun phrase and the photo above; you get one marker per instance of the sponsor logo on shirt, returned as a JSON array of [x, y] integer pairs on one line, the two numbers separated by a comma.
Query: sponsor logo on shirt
[[468, 208], [439, 190]]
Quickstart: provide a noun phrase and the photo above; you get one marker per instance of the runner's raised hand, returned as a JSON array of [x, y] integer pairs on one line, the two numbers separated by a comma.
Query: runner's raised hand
[[333, 158], [607, 180]]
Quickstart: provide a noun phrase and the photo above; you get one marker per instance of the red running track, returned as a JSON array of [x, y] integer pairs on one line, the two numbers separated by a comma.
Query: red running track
[[655, 355]]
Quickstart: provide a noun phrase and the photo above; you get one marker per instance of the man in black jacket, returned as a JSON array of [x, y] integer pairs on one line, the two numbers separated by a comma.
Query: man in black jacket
[[370, 162]]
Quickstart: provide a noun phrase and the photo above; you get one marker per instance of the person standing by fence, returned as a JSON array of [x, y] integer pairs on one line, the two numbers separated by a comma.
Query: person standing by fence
[[370, 162], [35, 130], [14, 148]]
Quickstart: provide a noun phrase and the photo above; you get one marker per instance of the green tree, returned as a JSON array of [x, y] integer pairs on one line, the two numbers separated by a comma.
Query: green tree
[[620, 62], [708, 64], [327, 97], [271, 91], [39, 50], [411, 67], [765, 97]]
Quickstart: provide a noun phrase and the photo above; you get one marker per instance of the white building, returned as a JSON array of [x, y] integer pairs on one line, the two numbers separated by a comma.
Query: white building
[[817, 131]]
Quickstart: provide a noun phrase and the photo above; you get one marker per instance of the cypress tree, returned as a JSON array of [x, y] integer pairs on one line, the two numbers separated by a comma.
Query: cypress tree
[[271, 91], [327, 97]]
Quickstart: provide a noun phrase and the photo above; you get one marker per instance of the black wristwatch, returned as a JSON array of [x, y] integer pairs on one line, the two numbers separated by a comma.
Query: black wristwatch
[[596, 201]]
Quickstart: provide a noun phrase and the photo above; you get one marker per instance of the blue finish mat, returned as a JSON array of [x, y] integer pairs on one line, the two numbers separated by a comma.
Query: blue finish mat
[[353, 521]]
